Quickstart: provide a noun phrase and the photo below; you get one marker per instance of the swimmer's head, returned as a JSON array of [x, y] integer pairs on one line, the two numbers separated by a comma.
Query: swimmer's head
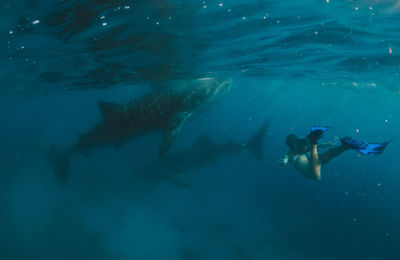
[[296, 145]]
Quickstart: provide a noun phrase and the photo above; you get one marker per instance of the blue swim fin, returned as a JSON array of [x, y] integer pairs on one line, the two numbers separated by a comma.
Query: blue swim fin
[[363, 147], [316, 133]]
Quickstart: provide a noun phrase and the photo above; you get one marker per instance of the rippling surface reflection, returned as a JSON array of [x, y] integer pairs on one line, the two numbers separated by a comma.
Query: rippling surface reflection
[[100, 44]]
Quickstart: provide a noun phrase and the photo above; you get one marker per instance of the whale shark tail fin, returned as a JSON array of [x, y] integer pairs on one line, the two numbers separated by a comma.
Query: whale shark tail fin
[[255, 144], [59, 161]]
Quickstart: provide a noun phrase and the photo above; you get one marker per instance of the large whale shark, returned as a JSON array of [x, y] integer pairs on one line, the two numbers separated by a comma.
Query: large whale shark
[[165, 110], [173, 167]]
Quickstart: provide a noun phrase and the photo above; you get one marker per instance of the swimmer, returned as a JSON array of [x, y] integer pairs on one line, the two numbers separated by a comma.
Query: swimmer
[[303, 153]]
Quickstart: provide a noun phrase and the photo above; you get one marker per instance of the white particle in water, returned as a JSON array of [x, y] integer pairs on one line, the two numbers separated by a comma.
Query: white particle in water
[[244, 17], [11, 32], [36, 22], [221, 4], [102, 17], [104, 24], [127, 7]]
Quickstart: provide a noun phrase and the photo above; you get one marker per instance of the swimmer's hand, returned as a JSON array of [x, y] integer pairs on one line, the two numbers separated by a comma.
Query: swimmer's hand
[[284, 161]]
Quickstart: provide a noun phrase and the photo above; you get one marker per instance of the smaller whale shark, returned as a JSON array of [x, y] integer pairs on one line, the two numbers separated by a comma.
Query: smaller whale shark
[[164, 110], [173, 167]]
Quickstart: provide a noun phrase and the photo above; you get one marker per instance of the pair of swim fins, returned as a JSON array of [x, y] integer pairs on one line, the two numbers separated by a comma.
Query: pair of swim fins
[[371, 149]]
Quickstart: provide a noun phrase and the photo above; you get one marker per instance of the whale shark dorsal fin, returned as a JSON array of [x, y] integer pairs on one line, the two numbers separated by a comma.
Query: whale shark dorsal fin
[[108, 109], [171, 130]]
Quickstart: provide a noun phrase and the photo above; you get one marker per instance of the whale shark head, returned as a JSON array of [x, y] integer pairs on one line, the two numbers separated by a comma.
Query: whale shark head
[[205, 90]]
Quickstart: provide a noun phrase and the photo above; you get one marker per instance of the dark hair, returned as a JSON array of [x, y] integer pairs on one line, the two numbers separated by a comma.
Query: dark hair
[[296, 145]]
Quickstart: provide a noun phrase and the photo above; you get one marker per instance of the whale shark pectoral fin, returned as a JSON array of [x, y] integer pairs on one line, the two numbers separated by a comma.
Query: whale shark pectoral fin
[[59, 160], [171, 130], [108, 110]]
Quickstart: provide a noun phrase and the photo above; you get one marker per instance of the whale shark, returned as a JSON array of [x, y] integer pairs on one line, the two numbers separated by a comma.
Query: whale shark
[[173, 167], [164, 110]]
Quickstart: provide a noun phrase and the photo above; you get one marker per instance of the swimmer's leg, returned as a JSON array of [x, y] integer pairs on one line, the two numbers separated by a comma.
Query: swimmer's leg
[[331, 153], [315, 164]]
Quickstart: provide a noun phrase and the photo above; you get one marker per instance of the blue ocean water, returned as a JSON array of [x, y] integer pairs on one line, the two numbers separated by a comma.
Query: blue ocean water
[[292, 63]]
